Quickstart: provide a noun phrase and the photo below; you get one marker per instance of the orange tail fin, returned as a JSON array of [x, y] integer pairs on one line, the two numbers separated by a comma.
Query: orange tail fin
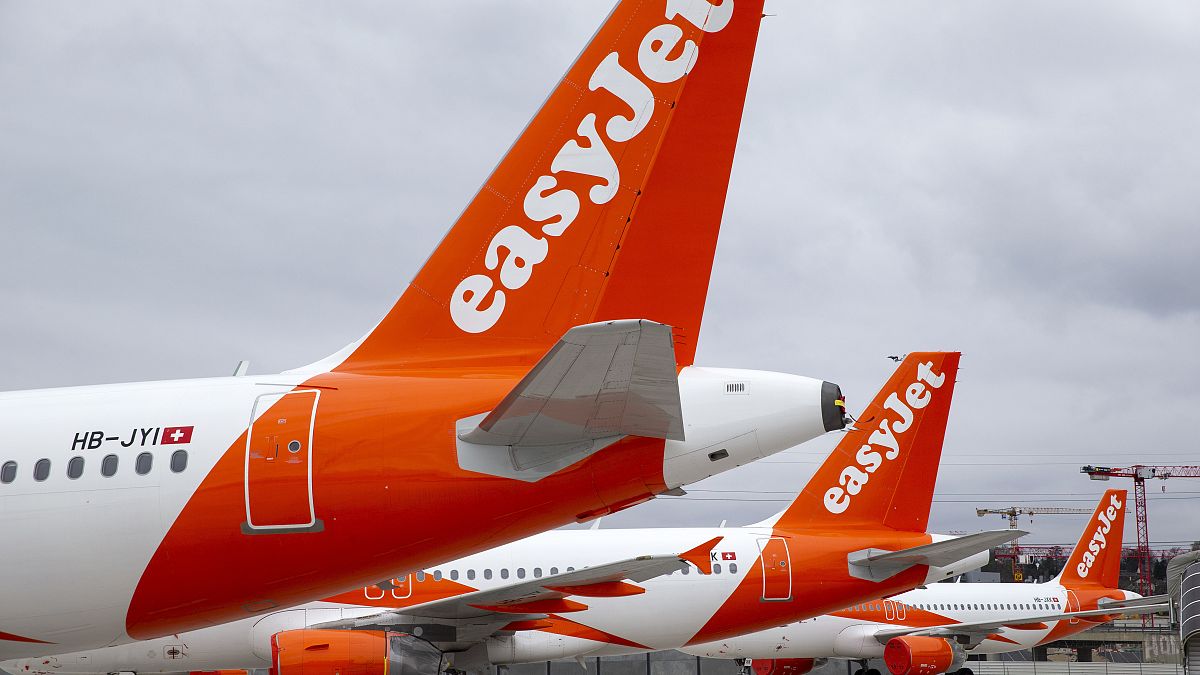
[[883, 471], [606, 207], [1096, 559]]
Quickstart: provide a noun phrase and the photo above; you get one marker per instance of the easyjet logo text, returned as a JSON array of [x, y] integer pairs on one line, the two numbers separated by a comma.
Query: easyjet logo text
[[663, 57], [1099, 540], [883, 445]]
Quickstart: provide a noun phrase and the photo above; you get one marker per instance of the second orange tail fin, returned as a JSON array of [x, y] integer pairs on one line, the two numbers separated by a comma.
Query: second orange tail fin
[[1096, 559], [883, 471]]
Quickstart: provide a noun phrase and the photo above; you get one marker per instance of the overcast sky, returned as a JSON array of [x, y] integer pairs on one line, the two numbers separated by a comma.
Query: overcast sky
[[187, 184]]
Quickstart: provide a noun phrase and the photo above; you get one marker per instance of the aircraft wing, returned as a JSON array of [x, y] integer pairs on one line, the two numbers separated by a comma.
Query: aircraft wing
[[877, 565], [599, 383], [977, 631], [537, 598]]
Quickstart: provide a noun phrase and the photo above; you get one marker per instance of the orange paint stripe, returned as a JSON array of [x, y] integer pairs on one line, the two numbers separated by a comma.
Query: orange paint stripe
[[561, 626], [18, 638]]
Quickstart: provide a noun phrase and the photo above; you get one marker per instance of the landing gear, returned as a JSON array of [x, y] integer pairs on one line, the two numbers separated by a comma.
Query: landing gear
[[865, 669]]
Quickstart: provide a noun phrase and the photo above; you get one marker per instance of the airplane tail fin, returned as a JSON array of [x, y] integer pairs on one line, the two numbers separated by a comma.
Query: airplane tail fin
[[1096, 558], [606, 207], [883, 471]]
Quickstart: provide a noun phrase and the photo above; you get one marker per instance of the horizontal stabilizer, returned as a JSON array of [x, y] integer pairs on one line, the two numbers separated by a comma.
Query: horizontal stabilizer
[[876, 565], [601, 382], [1157, 602]]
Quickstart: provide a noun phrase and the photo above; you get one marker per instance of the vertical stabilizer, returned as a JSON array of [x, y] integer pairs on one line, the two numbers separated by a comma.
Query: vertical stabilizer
[[883, 471], [606, 207], [1096, 559]]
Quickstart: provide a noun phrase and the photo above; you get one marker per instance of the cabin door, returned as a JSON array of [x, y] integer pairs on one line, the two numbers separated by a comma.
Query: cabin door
[[279, 456]]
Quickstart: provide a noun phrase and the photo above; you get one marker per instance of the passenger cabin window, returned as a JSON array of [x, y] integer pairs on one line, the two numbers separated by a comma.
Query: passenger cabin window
[[537, 573], [716, 568], [471, 574], [421, 575], [504, 573], [733, 568], [487, 574], [41, 470], [553, 571], [8, 472], [453, 575], [75, 467], [108, 466], [437, 575], [520, 572], [178, 461], [143, 464]]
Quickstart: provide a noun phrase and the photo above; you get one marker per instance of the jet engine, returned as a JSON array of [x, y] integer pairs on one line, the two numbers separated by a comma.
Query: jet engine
[[917, 655], [784, 666], [351, 652]]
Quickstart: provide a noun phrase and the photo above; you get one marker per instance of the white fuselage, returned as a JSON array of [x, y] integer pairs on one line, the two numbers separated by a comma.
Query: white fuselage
[[693, 599], [81, 545], [850, 634]]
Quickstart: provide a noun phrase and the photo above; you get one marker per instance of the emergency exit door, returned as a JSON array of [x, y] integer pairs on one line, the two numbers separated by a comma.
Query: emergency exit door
[[776, 569], [279, 457], [1073, 605]]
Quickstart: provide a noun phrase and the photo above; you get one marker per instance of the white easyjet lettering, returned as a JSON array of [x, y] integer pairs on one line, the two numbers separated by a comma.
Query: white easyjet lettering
[[852, 479], [556, 210], [663, 56], [612, 77], [524, 251], [466, 306], [592, 159], [1099, 540], [654, 54], [703, 14]]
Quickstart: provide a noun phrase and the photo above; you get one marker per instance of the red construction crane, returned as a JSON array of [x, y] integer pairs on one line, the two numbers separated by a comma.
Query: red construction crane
[[1140, 473]]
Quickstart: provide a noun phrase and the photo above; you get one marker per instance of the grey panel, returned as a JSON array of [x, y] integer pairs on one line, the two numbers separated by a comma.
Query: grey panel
[[877, 565], [601, 382]]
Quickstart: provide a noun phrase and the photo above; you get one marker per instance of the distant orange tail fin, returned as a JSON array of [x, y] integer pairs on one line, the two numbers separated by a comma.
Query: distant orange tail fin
[[608, 204], [883, 471], [1096, 559]]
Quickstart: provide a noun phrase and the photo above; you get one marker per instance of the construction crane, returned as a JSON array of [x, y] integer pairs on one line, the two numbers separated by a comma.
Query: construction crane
[[1140, 473], [1012, 513]]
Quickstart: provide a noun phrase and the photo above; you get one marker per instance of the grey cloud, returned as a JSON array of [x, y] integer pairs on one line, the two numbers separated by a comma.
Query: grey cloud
[[186, 185]]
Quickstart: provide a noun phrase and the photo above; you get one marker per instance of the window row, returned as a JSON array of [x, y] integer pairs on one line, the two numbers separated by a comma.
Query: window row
[[536, 573], [943, 606], [142, 465]]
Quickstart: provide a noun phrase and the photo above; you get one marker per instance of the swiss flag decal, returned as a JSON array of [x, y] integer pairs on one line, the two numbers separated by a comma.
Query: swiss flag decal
[[174, 435], [728, 555]]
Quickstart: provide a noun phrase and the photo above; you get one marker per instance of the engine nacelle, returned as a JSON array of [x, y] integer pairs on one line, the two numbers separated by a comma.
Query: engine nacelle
[[784, 666], [351, 652], [536, 645], [917, 655]]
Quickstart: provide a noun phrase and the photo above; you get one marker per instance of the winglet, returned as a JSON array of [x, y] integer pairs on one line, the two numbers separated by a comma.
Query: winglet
[[701, 556]]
